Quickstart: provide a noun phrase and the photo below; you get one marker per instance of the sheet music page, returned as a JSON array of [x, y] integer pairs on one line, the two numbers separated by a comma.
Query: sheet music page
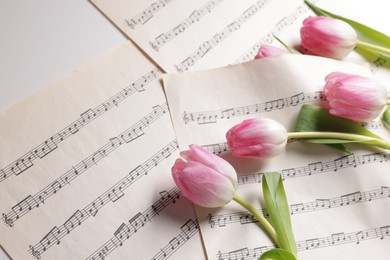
[[339, 203], [204, 34], [85, 168]]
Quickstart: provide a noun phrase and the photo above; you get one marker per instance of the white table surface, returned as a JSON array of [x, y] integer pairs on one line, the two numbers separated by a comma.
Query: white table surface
[[42, 41]]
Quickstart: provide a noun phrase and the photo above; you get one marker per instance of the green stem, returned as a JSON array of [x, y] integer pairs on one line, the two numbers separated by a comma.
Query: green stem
[[262, 220], [367, 45], [388, 102], [344, 136]]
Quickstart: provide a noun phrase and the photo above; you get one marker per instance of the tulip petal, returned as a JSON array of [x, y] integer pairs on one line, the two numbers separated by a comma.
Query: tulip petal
[[202, 156], [354, 97], [202, 185], [257, 138]]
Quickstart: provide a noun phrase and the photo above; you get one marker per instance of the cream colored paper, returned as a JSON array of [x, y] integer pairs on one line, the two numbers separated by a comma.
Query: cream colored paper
[[85, 168], [202, 34], [340, 204]]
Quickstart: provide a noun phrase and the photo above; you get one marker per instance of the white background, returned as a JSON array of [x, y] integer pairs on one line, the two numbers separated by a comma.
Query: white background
[[42, 41]]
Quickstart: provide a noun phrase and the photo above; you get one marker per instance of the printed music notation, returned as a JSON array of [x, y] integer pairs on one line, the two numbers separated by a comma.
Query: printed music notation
[[206, 46], [194, 17], [220, 148], [209, 117], [34, 201], [144, 16], [135, 223], [217, 149], [25, 162], [319, 204], [309, 244], [188, 230], [342, 162], [268, 38], [113, 194]]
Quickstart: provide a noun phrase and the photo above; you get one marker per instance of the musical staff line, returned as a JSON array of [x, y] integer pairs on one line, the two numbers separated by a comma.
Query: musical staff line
[[220, 148], [135, 223], [217, 148], [147, 14], [342, 162], [282, 25], [319, 204], [210, 117], [34, 201], [194, 17], [25, 162], [111, 195], [333, 240], [188, 230], [220, 36]]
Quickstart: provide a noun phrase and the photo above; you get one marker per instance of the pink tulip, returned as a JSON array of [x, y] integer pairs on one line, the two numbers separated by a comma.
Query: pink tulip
[[257, 138], [354, 97], [204, 178], [328, 37], [269, 51]]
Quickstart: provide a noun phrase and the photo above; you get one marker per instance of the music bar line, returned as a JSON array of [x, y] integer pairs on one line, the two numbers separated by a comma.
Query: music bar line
[[319, 204], [34, 201], [335, 239], [194, 17], [269, 38], [25, 162], [112, 194], [147, 14], [210, 117], [188, 230], [125, 231], [208, 45], [342, 162]]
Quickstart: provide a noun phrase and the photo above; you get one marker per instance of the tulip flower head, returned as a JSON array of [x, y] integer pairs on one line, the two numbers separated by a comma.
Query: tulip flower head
[[204, 178], [259, 138], [328, 37], [354, 97], [269, 51]]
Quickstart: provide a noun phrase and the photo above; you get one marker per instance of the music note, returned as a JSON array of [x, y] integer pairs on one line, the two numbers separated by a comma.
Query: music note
[[351, 198], [137, 221], [338, 237], [73, 221], [95, 206], [50, 238], [87, 116], [115, 194], [122, 233], [47, 147]]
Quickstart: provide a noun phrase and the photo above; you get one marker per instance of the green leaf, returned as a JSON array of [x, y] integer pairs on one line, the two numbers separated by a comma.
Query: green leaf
[[374, 56], [364, 33], [278, 210], [313, 118], [290, 49], [386, 117], [340, 147], [277, 254]]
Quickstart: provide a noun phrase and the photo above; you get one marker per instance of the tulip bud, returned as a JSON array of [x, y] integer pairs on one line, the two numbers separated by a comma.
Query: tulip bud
[[328, 37], [354, 97], [269, 51], [257, 138], [204, 178]]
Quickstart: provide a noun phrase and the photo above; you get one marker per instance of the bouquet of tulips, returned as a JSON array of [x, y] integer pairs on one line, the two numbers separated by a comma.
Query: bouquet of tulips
[[207, 180]]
